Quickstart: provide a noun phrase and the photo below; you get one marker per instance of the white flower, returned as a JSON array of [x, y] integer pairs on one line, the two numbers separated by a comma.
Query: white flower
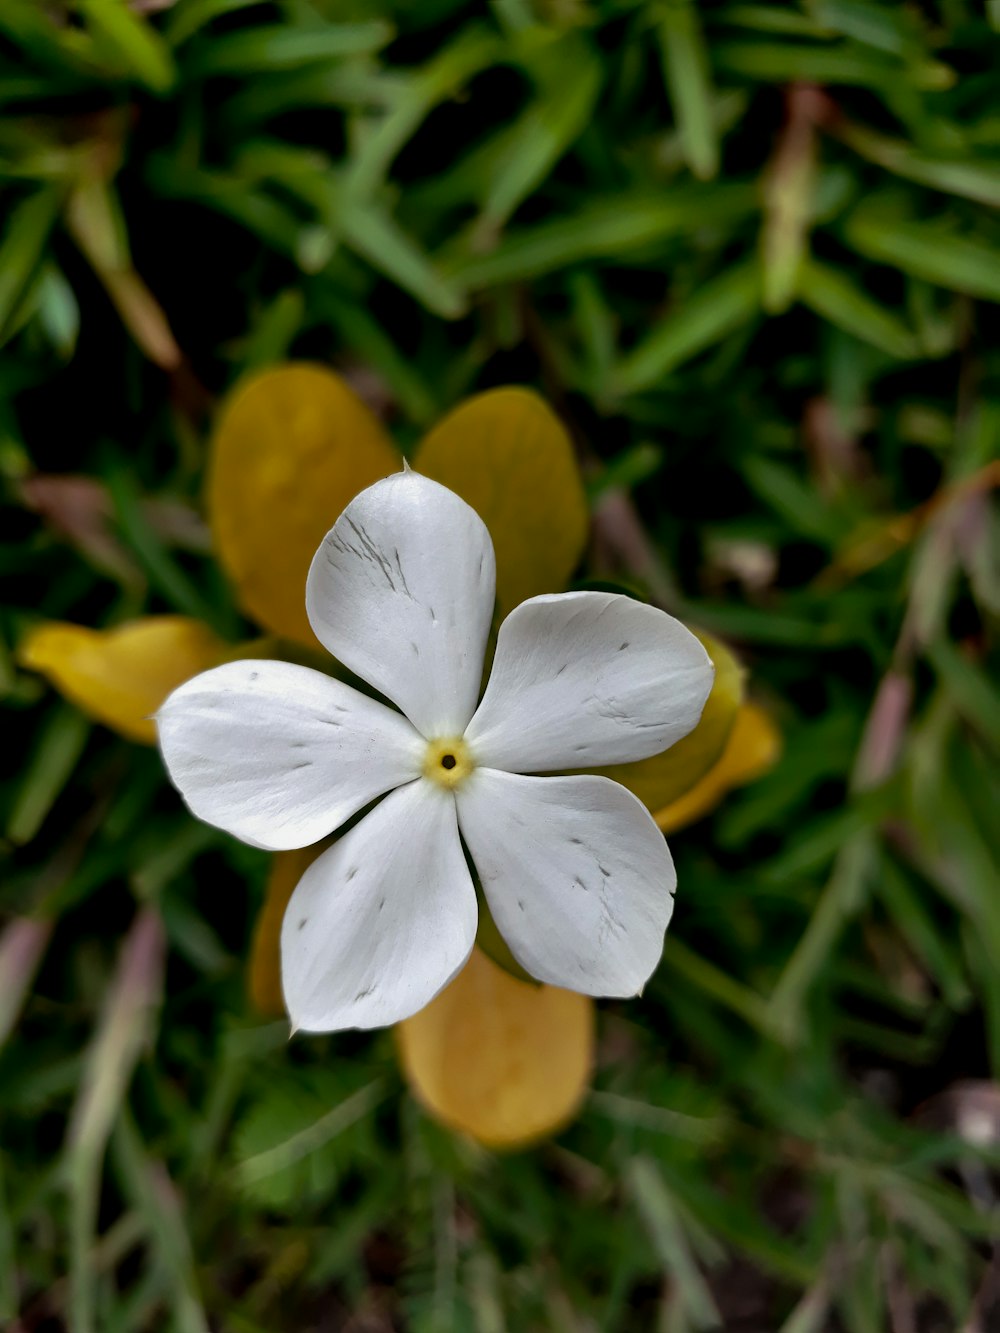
[[575, 872]]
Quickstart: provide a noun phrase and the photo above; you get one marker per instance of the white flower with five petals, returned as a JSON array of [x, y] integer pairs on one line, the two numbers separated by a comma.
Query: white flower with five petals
[[575, 872]]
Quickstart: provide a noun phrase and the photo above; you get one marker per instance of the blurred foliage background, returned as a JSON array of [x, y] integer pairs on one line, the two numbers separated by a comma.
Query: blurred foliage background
[[750, 253]]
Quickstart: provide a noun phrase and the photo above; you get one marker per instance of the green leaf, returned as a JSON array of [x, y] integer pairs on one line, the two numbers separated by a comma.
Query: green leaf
[[25, 238], [58, 747], [58, 310], [803, 508], [252, 209], [410, 99], [689, 81], [833, 295], [909, 912], [544, 132], [715, 310], [973, 693], [376, 346], [845, 63], [288, 1145], [183, 21], [774, 19], [157, 1203], [379, 239], [264, 49], [969, 179], [132, 41], [162, 569], [666, 1231], [927, 250], [622, 227], [275, 329], [894, 29]]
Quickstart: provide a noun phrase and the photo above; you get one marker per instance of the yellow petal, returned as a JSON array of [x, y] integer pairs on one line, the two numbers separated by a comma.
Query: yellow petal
[[293, 445], [121, 676], [753, 747], [502, 1060], [264, 980], [667, 776], [507, 454]]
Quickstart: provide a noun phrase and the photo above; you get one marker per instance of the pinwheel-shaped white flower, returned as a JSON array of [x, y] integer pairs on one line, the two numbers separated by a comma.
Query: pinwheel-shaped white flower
[[576, 874]]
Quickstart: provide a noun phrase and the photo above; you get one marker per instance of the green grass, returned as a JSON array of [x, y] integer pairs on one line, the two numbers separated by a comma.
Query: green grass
[[751, 255]]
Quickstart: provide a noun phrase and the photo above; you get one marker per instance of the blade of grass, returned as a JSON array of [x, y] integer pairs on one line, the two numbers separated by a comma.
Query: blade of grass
[[125, 1025], [366, 336], [844, 63], [162, 570], [543, 134], [474, 50], [8, 1270], [972, 692], [25, 238], [926, 250], [327, 1127], [57, 751], [183, 21], [22, 946], [663, 1225], [841, 899], [689, 81], [968, 179], [720, 987], [789, 201], [622, 227], [922, 933], [275, 328], [263, 49], [127, 37], [377, 237], [832, 295], [718, 308], [152, 1194], [95, 221]]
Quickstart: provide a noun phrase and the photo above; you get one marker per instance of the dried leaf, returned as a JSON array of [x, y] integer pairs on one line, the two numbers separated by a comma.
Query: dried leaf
[[752, 748], [121, 676], [505, 1061], [508, 455], [667, 777], [293, 445]]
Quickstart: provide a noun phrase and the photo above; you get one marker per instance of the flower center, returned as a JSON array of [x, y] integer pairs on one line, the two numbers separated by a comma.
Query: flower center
[[448, 761]]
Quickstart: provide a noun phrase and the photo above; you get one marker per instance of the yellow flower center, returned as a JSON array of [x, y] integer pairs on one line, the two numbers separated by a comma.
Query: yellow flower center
[[448, 761]]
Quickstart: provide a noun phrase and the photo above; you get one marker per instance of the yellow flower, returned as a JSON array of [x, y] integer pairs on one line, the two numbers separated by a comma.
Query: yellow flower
[[497, 1057]]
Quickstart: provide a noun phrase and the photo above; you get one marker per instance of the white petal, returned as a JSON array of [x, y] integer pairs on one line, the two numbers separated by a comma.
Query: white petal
[[383, 920], [402, 591], [577, 876], [587, 678], [280, 755]]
